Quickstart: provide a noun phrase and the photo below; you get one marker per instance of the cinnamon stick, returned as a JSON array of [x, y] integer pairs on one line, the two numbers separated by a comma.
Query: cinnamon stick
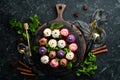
[[27, 74], [100, 48], [20, 62], [24, 70], [101, 51]]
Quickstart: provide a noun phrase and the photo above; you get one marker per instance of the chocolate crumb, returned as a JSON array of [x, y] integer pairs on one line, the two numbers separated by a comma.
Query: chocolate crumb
[[13, 58], [13, 64], [20, 39], [85, 7], [76, 14]]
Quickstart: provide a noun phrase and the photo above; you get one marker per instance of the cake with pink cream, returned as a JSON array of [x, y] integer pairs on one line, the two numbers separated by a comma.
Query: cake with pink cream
[[54, 63], [73, 47], [64, 32]]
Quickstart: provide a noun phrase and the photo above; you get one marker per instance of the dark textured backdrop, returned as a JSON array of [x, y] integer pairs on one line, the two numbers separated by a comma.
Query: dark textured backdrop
[[108, 63]]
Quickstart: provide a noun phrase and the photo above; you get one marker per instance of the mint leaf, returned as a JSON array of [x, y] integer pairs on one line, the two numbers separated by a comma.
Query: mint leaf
[[57, 59], [59, 26], [52, 26], [35, 23], [69, 66], [88, 66], [35, 48]]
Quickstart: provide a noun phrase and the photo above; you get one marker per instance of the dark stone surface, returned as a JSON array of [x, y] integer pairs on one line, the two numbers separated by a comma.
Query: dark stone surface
[[108, 64]]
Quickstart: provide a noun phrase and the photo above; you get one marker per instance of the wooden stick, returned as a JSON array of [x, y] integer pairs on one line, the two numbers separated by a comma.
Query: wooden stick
[[23, 64], [27, 74], [101, 51], [24, 70], [26, 29], [100, 48]]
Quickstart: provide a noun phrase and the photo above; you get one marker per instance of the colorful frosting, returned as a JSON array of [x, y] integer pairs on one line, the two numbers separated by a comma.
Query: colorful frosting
[[64, 32], [55, 33], [44, 59], [52, 43], [42, 41], [57, 47], [54, 63], [71, 38], [47, 32], [70, 56], [63, 62], [73, 47], [42, 50], [61, 43], [52, 54]]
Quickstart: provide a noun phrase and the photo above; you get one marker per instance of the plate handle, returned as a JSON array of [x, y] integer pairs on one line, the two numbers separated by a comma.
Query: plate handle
[[60, 9]]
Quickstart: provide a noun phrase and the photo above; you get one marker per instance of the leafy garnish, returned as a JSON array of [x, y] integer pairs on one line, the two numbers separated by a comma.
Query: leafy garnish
[[47, 45], [34, 23], [59, 26], [60, 37], [66, 50], [57, 59], [51, 49], [15, 24], [52, 26], [69, 66], [74, 60], [18, 25], [56, 26], [88, 66], [35, 48]]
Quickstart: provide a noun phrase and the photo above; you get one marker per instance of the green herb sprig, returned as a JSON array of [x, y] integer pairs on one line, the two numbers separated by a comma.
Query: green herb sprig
[[35, 49], [33, 25], [18, 25], [51, 49], [66, 50], [70, 65], [88, 66], [56, 26]]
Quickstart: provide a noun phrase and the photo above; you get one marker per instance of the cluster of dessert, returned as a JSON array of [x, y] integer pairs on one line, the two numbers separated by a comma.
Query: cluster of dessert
[[60, 39]]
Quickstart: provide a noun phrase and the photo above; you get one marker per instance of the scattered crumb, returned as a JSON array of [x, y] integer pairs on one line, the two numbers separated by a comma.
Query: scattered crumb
[[76, 14], [13, 64], [20, 39], [85, 7]]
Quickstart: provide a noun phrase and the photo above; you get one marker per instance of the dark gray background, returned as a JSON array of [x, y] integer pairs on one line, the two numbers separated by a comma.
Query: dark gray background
[[108, 63]]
